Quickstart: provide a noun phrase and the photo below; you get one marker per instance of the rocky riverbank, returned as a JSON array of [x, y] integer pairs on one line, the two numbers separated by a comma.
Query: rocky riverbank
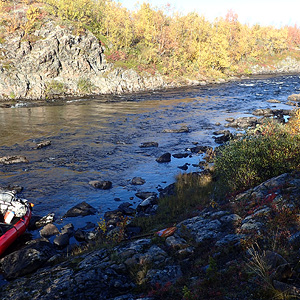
[[206, 256]]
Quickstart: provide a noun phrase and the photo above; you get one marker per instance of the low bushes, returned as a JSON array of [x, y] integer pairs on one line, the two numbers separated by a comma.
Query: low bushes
[[272, 150]]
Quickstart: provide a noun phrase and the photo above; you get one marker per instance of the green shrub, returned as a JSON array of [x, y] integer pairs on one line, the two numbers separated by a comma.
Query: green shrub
[[244, 163], [55, 88], [85, 86]]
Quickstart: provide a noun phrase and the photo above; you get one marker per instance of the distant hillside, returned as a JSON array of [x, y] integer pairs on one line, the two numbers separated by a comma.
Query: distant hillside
[[81, 47]]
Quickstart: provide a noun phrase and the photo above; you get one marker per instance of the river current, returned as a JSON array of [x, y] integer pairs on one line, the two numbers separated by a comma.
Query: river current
[[99, 138]]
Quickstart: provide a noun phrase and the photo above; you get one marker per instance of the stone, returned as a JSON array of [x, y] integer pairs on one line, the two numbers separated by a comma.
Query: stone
[[145, 195], [184, 167], [289, 289], [68, 229], [180, 155], [169, 274], [168, 190], [49, 230], [273, 101], [273, 259], [294, 97], [223, 138], [149, 144], [233, 219], [138, 181], [126, 208], [243, 122], [267, 112], [43, 144], [294, 240], [176, 242], [27, 260], [230, 120], [49, 218], [199, 149], [182, 129], [62, 240], [81, 209], [103, 185], [164, 158], [230, 240], [16, 159]]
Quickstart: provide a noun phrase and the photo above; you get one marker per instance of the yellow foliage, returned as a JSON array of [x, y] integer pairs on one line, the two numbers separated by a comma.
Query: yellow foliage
[[294, 123], [178, 44]]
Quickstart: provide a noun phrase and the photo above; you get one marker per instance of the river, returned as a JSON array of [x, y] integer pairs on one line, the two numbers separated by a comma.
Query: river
[[99, 138]]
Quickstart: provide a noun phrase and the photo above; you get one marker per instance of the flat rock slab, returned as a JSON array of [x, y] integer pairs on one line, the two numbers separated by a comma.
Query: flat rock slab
[[149, 144], [81, 209], [8, 160], [182, 129], [26, 260], [43, 144], [49, 230]]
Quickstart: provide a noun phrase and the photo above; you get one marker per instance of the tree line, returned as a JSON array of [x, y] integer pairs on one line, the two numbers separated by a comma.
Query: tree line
[[174, 44]]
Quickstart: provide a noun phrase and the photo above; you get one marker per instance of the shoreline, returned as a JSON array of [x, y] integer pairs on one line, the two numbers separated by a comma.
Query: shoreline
[[8, 103]]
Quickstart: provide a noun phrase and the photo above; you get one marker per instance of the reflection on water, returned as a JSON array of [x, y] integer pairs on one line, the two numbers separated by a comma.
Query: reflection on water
[[96, 139]]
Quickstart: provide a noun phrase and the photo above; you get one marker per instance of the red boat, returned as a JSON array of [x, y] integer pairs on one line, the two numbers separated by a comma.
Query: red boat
[[15, 215]]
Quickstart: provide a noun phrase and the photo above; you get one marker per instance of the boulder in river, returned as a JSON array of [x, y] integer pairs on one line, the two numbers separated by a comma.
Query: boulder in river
[[180, 155], [81, 209], [149, 144], [145, 195], [294, 97], [138, 181], [15, 159], [182, 129], [43, 144], [49, 230], [243, 122], [164, 158], [49, 218], [103, 185]]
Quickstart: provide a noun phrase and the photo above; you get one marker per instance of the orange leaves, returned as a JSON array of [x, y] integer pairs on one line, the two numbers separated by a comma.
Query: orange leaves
[[294, 123]]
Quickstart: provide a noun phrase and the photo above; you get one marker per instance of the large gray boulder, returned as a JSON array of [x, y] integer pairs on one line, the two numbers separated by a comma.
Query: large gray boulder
[[27, 260]]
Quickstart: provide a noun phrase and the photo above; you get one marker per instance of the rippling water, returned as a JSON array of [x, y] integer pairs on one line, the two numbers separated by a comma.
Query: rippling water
[[99, 138]]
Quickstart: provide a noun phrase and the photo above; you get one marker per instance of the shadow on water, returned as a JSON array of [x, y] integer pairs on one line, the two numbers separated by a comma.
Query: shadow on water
[[99, 138]]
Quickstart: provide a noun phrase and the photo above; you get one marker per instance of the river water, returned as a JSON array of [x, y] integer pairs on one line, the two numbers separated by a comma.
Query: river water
[[99, 139]]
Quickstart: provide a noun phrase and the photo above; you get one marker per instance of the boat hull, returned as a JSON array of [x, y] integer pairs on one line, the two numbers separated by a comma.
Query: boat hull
[[13, 233]]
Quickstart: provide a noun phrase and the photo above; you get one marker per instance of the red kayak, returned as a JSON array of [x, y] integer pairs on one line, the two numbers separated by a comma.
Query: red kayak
[[15, 215]]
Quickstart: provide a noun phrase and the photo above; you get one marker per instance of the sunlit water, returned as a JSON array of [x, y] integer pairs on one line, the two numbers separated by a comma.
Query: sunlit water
[[99, 139]]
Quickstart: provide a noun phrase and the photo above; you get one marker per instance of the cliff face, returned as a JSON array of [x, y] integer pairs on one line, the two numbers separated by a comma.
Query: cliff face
[[60, 63]]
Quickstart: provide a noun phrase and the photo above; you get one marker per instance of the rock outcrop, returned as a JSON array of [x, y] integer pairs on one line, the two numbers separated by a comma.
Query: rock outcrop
[[59, 63]]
